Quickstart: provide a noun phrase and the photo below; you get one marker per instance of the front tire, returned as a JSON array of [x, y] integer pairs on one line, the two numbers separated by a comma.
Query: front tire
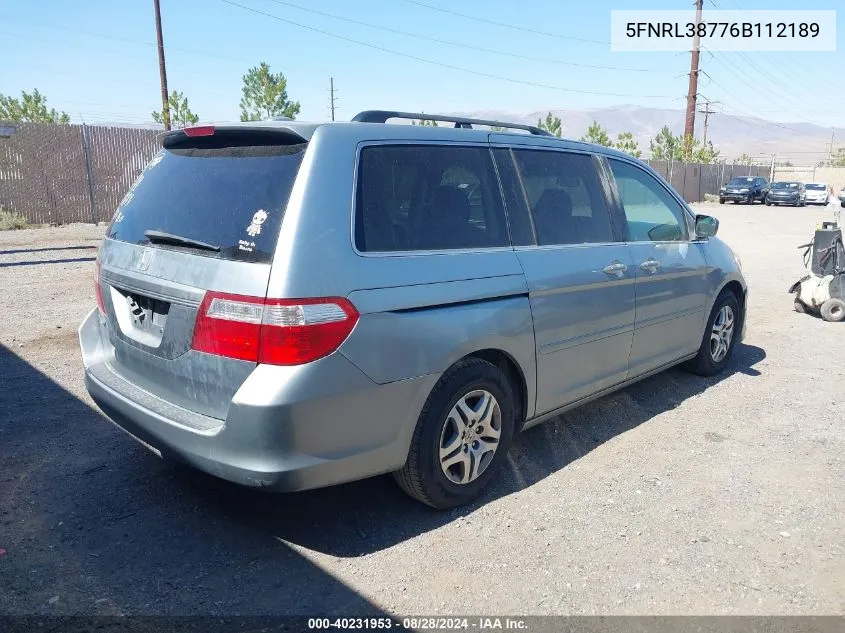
[[719, 340], [462, 436], [833, 310], [721, 201]]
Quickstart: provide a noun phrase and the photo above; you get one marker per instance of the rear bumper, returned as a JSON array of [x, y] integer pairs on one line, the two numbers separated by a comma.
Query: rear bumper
[[287, 429]]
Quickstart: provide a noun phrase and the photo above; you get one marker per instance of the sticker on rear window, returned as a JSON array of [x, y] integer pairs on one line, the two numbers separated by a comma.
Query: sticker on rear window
[[258, 219]]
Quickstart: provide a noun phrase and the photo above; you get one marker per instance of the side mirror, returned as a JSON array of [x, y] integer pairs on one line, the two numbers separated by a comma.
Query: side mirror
[[706, 226]]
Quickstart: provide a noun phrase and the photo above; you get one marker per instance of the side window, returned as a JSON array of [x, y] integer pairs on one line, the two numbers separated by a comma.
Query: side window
[[653, 215], [566, 197], [426, 197]]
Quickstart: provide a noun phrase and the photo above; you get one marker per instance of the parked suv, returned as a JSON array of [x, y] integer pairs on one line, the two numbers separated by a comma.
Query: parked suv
[[288, 305], [746, 190]]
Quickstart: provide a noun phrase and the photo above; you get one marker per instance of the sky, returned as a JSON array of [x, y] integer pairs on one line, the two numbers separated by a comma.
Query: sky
[[97, 61]]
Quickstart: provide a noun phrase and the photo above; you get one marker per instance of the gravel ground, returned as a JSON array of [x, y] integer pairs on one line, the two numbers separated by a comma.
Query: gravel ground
[[679, 495]]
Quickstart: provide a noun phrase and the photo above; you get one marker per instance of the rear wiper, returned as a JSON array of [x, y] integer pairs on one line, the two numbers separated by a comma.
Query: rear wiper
[[159, 237]]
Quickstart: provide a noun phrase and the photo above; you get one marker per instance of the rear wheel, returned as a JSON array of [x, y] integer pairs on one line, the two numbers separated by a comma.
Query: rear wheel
[[799, 307], [462, 436], [719, 340], [833, 310]]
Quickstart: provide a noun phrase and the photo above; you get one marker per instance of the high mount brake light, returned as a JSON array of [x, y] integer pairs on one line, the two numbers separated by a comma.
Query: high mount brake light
[[199, 130], [272, 331]]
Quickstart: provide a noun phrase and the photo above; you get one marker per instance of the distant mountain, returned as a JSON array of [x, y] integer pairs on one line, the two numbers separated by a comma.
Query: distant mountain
[[732, 135]]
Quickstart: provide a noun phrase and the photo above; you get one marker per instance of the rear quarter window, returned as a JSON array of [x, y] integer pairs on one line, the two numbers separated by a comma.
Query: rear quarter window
[[230, 197], [424, 197]]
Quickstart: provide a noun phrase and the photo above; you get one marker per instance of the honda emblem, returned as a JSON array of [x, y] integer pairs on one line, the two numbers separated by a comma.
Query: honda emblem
[[145, 259]]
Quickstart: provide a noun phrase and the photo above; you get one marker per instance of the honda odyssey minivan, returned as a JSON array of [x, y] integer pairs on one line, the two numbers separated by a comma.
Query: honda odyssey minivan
[[289, 305]]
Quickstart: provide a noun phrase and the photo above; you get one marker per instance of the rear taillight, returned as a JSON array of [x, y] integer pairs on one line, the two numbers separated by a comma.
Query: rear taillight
[[98, 289], [272, 331]]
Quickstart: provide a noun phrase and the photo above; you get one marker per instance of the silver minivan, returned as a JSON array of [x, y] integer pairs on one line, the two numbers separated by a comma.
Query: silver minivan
[[289, 305]]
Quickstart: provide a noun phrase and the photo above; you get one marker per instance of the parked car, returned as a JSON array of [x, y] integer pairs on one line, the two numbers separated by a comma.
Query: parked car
[[744, 190], [817, 193], [289, 305], [786, 192], [842, 194]]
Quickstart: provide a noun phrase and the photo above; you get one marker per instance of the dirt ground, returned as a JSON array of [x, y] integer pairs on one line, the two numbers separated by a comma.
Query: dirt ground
[[679, 495]]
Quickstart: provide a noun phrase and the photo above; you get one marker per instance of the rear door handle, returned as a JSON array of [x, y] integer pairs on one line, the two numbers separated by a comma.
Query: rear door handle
[[616, 268], [650, 265]]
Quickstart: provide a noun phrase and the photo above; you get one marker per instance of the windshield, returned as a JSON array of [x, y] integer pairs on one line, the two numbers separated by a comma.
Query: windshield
[[815, 187], [741, 182], [785, 185], [231, 198]]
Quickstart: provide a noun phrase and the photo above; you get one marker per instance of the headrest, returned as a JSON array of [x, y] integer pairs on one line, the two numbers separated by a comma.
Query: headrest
[[448, 204], [554, 202]]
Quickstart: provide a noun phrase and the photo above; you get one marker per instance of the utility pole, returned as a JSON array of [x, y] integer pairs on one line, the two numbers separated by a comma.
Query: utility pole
[[830, 153], [707, 112], [772, 170], [692, 93], [331, 95], [162, 71]]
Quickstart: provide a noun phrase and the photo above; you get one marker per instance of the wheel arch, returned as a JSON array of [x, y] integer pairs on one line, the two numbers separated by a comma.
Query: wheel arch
[[510, 367]]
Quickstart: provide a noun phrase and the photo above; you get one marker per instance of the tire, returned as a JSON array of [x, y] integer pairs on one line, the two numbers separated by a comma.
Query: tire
[[423, 477], [706, 363], [721, 201], [800, 307], [833, 310]]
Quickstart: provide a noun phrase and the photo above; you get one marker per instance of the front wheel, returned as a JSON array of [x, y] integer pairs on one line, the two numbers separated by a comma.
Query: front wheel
[[721, 201], [462, 436], [719, 339], [833, 310]]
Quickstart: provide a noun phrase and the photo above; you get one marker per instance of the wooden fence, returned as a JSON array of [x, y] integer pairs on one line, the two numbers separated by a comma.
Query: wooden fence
[[56, 174]]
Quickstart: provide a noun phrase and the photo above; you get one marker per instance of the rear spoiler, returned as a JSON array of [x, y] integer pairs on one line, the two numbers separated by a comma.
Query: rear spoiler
[[211, 136]]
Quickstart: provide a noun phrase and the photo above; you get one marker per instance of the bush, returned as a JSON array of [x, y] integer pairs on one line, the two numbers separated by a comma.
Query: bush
[[711, 197], [9, 220]]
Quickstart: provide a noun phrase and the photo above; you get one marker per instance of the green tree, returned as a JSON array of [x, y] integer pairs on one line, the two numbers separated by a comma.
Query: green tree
[[838, 159], [265, 95], [626, 142], [745, 159], [552, 124], [180, 113], [707, 154], [425, 123], [597, 135], [30, 108], [666, 146]]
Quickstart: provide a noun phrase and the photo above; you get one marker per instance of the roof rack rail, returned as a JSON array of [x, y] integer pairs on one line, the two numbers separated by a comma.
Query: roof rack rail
[[381, 116]]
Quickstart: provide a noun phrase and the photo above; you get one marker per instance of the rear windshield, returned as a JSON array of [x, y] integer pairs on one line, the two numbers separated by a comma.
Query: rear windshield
[[232, 198]]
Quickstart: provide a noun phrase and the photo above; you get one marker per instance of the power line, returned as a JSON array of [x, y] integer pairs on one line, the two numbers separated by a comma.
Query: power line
[[115, 38], [436, 63], [482, 49], [507, 26]]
